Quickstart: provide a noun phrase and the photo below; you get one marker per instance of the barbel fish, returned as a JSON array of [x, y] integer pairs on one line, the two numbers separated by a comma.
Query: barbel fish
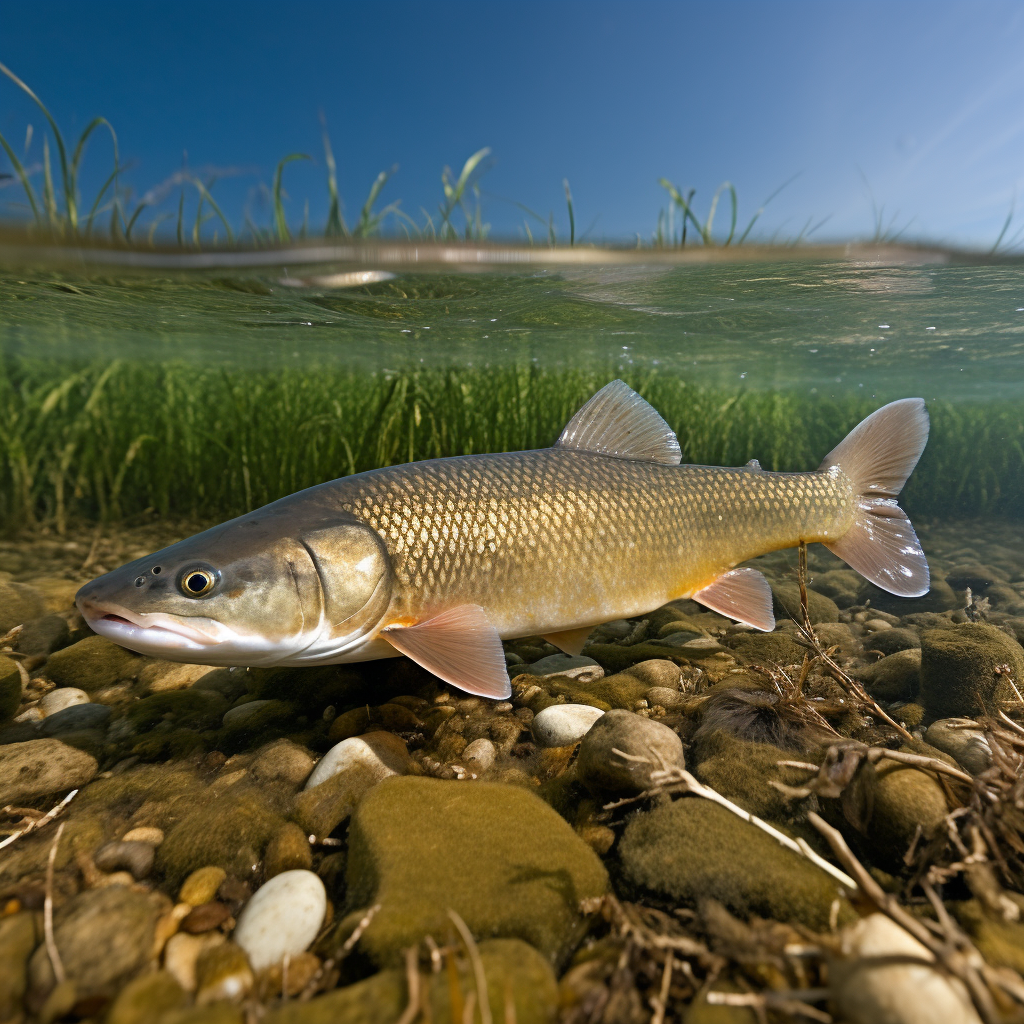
[[441, 560]]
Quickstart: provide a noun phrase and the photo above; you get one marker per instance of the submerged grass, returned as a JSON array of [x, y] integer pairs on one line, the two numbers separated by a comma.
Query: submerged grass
[[112, 440]]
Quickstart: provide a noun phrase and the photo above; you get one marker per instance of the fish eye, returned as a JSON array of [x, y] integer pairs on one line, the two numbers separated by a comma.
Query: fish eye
[[156, 570], [197, 582]]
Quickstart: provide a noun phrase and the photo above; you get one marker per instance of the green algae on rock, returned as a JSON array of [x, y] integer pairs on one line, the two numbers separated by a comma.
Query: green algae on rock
[[894, 677], [38, 768], [10, 689], [959, 677], [19, 935], [146, 998], [786, 599], [94, 664], [520, 985], [496, 854], [693, 849]]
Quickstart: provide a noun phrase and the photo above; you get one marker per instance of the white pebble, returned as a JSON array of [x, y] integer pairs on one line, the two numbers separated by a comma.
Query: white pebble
[[61, 698], [369, 752], [282, 918], [562, 724], [877, 625], [867, 990], [479, 755]]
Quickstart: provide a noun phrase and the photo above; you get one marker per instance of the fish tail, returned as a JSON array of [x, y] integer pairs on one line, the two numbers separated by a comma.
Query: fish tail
[[877, 456]]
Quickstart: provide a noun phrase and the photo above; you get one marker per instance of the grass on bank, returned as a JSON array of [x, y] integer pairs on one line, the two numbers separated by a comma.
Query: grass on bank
[[57, 207], [109, 441]]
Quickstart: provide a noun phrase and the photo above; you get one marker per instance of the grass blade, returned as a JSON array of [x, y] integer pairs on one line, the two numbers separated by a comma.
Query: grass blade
[[204, 195], [69, 196], [280, 223], [335, 222], [453, 192], [367, 221], [572, 219], [19, 170]]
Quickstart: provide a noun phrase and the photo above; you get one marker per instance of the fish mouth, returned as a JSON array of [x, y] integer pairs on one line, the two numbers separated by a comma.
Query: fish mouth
[[146, 632]]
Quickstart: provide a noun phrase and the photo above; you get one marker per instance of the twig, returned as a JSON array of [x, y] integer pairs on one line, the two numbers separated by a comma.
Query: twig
[[785, 1001], [412, 980], [478, 967], [952, 959], [666, 980], [681, 780], [38, 822], [51, 945], [310, 990]]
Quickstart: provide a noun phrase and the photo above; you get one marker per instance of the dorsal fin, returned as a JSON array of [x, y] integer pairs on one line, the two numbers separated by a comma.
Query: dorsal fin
[[617, 421]]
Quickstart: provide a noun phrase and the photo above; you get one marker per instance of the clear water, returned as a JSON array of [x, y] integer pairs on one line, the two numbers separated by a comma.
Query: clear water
[[832, 337]]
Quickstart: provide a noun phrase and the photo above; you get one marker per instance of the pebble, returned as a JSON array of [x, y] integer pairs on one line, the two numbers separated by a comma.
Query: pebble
[[130, 855], [30, 715], [877, 625], [657, 672], [282, 918], [602, 770], [962, 740], [479, 755], [205, 918], [586, 670], [222, 973], [144, 834], [201, 886], [181, 953], [243, 712], [377, 752], [75, 718], [562, 724], [61, 698], [41, 767], [282, 760], [868, 992], [670, 700]]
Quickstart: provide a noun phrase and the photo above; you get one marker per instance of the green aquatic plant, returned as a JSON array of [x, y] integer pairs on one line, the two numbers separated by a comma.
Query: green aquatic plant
[[208, 442]]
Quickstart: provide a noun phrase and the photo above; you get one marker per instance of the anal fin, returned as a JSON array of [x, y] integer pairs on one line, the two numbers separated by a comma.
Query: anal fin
[[570, 640], [741, 594], [459, 646]]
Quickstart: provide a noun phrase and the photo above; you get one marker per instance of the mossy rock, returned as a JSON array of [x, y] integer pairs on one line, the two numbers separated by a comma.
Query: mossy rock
[[889, 641], [911, 715], [230, 832], [311, 688], [19, 935], [185, 709], [496, 854], [999, 941], [10, 690], [958, 670], [776, 648], [385, 717], [844, 586], [940, 598], [270, 721], [743, 771], [512, 969], [93, 664], [904, 799], [621, 690], [320, 810], [19, 603], [145, 998], [692, 849], [104, 936], [894, 677], [786, 601], [615, 658]]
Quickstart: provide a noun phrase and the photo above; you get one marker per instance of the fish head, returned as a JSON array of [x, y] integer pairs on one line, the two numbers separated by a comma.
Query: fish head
[[269, 588]]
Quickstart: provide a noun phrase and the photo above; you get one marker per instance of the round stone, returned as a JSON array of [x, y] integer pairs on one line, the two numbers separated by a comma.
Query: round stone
[[61, 698], [282, 918], [379, 753], [562, 724]]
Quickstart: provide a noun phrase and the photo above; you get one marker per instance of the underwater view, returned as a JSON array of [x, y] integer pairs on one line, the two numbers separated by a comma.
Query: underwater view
[[433, 611]]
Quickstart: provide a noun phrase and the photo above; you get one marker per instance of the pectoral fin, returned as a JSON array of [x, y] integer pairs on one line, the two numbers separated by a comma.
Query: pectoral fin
[[459, 646], [570, 640], [741, 594]]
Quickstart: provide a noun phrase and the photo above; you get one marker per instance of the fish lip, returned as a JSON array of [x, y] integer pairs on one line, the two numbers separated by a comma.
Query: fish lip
[[117, 622]]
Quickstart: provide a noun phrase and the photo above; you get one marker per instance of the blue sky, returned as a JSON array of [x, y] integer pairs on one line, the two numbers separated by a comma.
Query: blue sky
[[920, 105]]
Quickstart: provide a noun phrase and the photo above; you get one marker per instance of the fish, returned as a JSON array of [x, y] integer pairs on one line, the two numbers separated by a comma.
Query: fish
[[441, 560]]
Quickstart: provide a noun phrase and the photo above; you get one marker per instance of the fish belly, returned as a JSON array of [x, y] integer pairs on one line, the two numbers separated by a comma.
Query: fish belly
[[553, 540]]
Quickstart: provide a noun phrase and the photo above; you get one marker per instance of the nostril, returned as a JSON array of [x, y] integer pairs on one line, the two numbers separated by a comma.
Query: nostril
[[140, 581]]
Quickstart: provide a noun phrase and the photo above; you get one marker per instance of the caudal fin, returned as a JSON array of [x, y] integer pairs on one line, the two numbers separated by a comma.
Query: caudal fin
[[877, 456]]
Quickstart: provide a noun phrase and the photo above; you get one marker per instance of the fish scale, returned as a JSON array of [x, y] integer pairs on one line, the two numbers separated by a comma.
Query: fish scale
[[496, 530]]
